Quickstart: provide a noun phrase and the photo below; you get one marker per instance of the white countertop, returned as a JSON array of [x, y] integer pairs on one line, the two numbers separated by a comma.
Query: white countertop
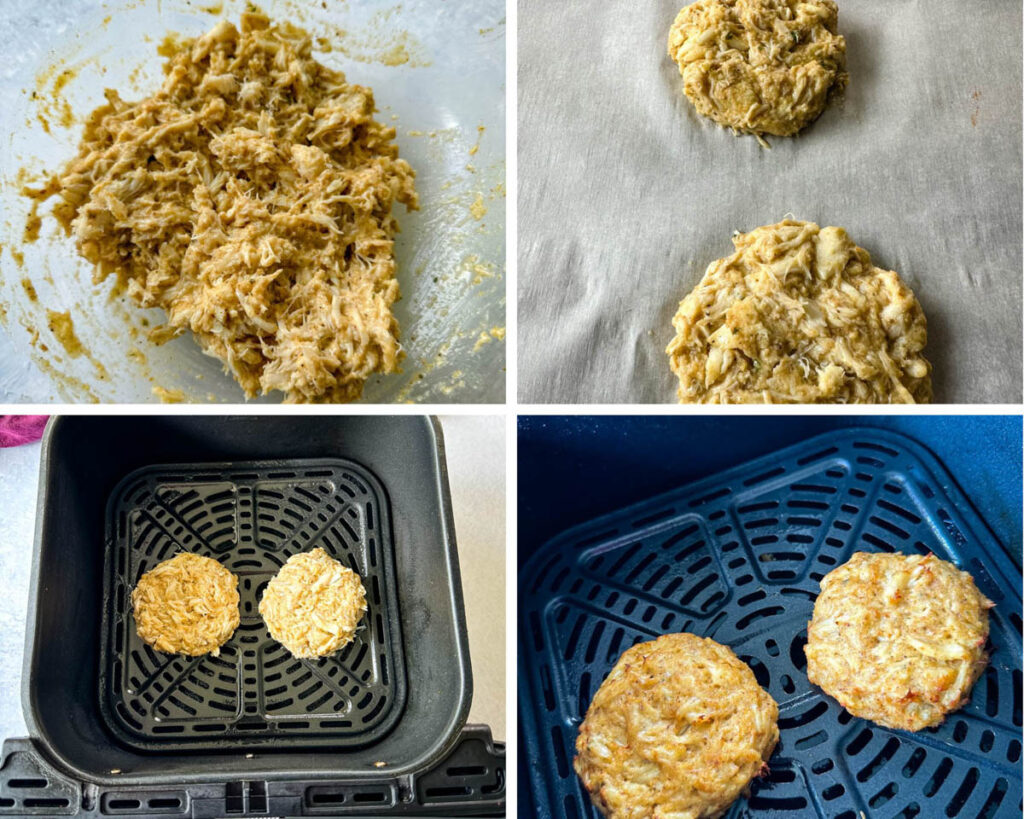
[[19, 476], [476, 471]]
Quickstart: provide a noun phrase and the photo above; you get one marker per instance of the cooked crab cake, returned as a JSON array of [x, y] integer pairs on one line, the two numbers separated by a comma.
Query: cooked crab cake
[[313, 604], [186, 605], [679, 728], [759, 66], [898, 639], [799, 314]]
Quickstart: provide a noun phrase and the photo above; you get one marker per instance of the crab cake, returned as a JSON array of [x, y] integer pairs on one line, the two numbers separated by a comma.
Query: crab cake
[[898, 639], [759, 66], [186, 605], [799, 314], [313, 605], [679, 728]]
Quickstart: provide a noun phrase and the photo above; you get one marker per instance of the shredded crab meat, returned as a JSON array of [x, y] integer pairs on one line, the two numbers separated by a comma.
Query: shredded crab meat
[[799, 314], [759, 66], [898, 639], [313, 605], [250, 198], [186, 605], [679, 728]]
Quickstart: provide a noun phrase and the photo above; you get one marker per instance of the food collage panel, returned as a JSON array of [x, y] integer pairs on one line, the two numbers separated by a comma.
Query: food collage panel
[[368, 439], [795, 616]]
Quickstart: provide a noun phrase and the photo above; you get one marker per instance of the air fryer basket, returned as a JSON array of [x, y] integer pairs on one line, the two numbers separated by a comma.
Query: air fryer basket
[[251, 518], [375, 729], [739, 557]]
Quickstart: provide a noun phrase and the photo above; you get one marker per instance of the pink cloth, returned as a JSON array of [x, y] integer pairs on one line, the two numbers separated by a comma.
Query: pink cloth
[[16, 430]]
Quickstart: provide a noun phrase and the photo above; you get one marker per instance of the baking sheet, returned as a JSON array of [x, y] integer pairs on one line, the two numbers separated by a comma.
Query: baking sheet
[[438, 75], [626, 194]]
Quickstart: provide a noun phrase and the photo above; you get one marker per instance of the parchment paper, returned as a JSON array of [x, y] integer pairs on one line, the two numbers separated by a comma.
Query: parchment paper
[[626, 194], [438, 76]]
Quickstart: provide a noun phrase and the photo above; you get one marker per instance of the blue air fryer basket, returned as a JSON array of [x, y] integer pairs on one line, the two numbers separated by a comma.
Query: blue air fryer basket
[[739, 557]]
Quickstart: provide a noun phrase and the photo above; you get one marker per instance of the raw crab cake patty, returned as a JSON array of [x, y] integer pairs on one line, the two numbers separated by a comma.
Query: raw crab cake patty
[[759, 66], [799, 314], [313, 604], [186, 605], [898, 639], [678, 728]]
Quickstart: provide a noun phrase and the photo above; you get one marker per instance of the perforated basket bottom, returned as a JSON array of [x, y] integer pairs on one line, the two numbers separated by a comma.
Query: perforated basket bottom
[[252, 518], [739, 557]]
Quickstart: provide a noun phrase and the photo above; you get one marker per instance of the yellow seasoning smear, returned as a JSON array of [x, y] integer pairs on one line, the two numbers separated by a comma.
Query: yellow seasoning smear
[[63, 329]]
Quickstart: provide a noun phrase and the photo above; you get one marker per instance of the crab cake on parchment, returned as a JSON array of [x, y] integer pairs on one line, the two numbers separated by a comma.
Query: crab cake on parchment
[[759, 66], [679, 728], [799, 314], [186, 605], [898, 639]]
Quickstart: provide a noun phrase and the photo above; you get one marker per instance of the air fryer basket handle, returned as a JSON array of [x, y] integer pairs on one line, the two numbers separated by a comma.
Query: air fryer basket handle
[[470, 781]]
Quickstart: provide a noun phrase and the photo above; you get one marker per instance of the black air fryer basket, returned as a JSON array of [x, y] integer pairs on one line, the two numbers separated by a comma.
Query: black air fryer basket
[[120, 729], [738, 557]]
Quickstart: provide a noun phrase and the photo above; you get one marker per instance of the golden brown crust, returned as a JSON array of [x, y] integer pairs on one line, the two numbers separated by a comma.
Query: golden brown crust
[[186, 605], [898, 639], [799, 314], [313, 604], [759, 66], [250, 198], [679, 728]]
